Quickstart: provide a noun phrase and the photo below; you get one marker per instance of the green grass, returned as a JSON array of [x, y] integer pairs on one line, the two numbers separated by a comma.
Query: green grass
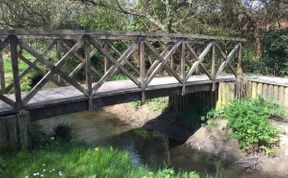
[[78, 160]]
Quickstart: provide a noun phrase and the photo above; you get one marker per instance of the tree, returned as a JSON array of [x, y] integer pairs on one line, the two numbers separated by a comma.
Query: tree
[[163, 15], [46, 14]]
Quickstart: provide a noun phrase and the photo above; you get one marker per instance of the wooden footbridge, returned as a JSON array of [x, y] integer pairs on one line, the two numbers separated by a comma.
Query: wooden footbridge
[[78, 69]]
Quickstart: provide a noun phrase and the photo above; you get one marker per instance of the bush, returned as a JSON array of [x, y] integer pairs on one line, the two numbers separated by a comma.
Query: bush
[[249, 123]]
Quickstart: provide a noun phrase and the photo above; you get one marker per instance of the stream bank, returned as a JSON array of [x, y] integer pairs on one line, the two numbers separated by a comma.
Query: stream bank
[[214, 141]]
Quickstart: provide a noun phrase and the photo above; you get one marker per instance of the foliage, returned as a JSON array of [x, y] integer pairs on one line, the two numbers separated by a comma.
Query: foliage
[[275, 52], [146, 134], [78, 160], [248, 120], [210, 118], [157, 104], [119, 77], [62, 132]]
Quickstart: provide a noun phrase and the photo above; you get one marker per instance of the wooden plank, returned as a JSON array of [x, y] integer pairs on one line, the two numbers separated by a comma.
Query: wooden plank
[[286, 99], [265, 91], [254, 90], [142, 69], [106, 60], [259, 89], [15, 69], [276, 93], [2, 73], [182, 67], [88, 74], [213, 68], [68, 34], [270, 91], [281, 95], [249, 88]]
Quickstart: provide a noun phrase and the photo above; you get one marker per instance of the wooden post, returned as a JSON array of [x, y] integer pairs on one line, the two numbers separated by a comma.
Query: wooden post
[[213, 70], [142, 69], [106, 60], [14, 57], [88, 73], [182, 67], [58, 57], [2, 73]]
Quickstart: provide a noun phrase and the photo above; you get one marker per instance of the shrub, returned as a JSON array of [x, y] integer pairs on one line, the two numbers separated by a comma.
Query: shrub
[[248, 120], [62, 133]]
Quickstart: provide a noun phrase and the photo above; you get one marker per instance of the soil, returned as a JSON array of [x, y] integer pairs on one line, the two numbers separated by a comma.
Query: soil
[[214, 140]]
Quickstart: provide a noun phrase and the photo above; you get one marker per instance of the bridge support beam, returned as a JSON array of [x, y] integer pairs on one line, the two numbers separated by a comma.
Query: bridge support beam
[[14, 132], [204, 101]]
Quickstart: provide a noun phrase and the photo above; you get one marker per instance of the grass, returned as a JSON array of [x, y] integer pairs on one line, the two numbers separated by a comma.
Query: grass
[[78, 160]]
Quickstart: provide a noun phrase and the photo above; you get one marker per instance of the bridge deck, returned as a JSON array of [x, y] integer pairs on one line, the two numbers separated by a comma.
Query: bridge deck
[[113, 91]]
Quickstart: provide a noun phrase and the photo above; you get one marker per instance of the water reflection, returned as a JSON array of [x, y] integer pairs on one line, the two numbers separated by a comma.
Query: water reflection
[[101, 128]]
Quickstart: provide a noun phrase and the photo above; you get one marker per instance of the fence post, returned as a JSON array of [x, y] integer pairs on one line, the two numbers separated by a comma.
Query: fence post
[[88, 72], [213, 70], [106, 61], [2, 73], [142, 69], [15, 69], [182, 67]]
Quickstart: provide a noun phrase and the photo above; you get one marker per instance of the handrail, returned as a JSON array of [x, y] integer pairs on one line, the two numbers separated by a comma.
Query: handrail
[[70, 34]]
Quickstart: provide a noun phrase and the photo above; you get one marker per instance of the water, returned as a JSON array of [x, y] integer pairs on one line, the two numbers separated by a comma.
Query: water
[[101, 128]]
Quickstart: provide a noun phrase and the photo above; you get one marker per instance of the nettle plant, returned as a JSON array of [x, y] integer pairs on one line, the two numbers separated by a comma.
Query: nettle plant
[[249, 123]]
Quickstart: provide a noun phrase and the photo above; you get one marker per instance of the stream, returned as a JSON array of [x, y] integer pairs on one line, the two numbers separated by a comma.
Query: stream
[[101, 128]]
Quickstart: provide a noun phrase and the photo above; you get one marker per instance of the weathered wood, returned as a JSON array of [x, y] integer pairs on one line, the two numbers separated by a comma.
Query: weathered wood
[[2, 73], [275, 92], [137, 72], [182, 66], [15, 69], [163, 62], [88, 73], [286, 98], [227, 58], [281, 95], [142, 69], [81, 65], [213, 68], [199, 59], [118, 64], [72, 34], [259, 89], [53, 69], [106, 60], [254, 90]]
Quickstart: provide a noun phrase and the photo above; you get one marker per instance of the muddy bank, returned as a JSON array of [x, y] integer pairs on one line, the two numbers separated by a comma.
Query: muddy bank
[[215, 141]]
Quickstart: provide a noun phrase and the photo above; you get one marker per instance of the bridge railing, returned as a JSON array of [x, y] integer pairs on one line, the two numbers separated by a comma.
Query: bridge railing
[[86, 60]]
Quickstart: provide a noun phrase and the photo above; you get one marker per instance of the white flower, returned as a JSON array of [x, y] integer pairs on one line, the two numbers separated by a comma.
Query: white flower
[[60, 173], [44, 170]]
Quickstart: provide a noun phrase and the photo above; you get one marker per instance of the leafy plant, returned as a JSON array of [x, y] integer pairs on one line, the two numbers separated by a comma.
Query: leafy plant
[[248, 120], [146, 134], [62, 132]]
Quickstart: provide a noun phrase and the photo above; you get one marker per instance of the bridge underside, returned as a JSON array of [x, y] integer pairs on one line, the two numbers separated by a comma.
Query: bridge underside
[[64, 100]]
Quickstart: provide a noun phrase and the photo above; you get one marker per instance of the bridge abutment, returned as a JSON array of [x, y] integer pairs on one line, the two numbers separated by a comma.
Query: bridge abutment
[[15, 132], [204, 101]]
